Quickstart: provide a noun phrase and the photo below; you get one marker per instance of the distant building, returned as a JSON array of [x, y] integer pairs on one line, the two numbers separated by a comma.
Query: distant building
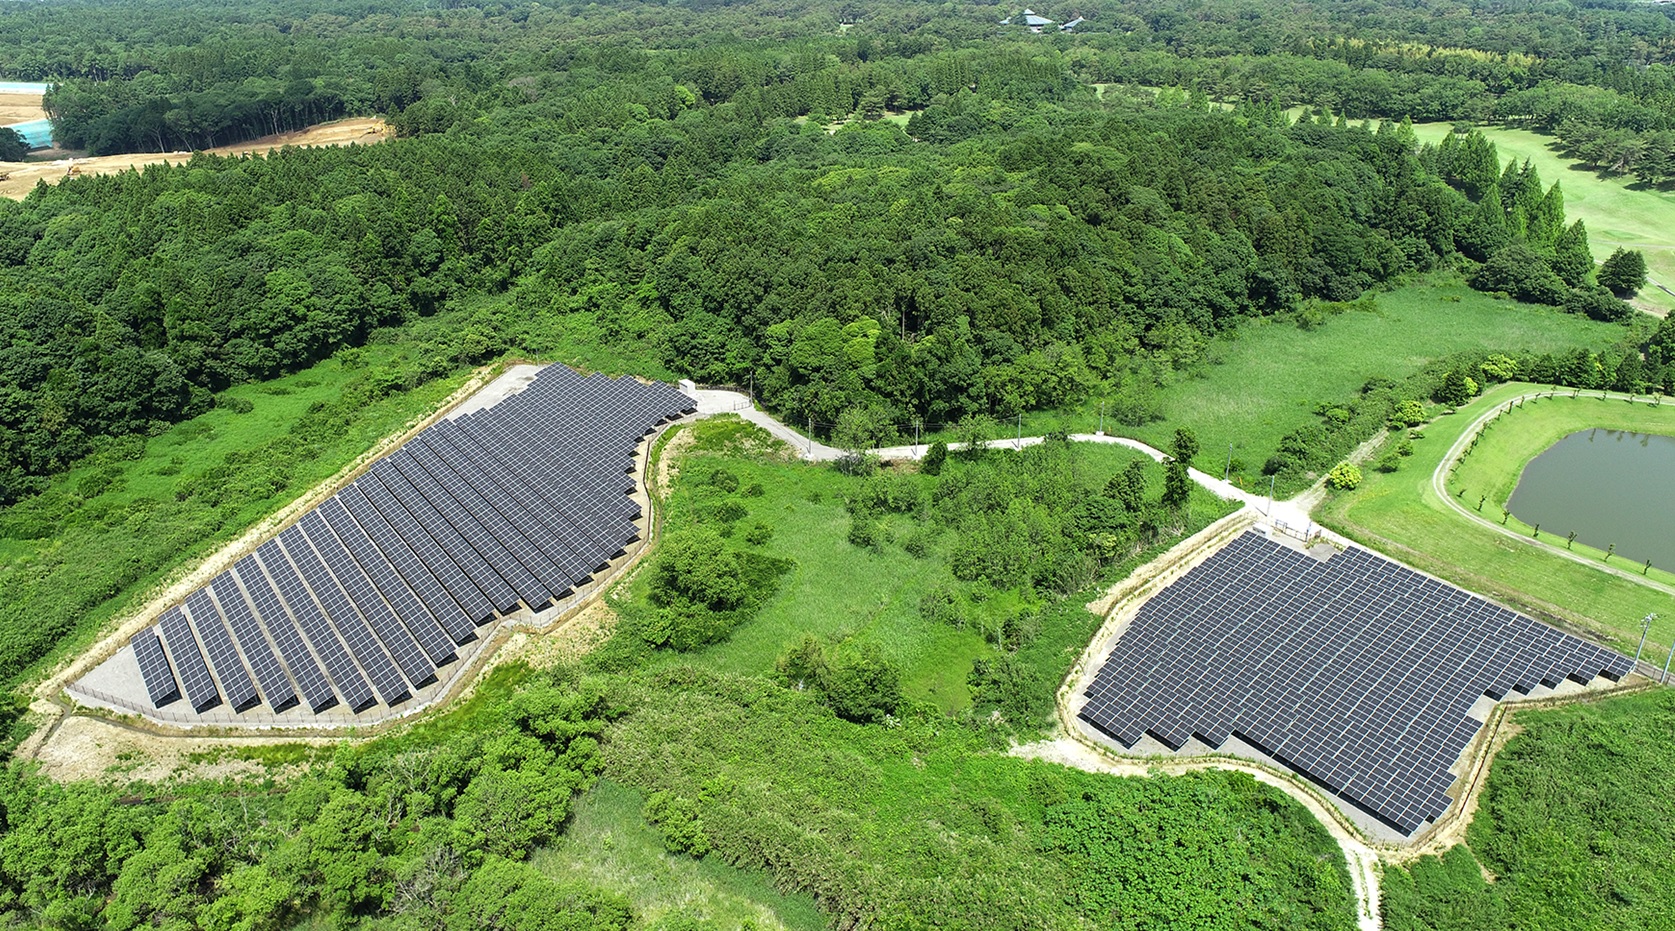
[[1067, 27], [1030, 19]]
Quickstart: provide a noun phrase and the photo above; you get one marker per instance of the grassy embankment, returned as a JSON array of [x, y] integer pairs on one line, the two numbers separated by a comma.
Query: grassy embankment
[[1493, 468], [1618, 212], [105, 533], [1401, 514], [1573, 825], [1264, 379]]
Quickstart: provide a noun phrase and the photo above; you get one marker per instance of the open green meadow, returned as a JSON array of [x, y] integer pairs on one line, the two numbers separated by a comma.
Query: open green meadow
[[837, 589], [1400, 514], [1265, 379], [1618, 212]]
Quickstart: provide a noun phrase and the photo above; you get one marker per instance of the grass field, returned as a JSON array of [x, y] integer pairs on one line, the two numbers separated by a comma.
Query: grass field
[[838, 589], [1616, 212], [104, 533], [608, 844], [1400, 514], [1263, 380], [1573, 826]]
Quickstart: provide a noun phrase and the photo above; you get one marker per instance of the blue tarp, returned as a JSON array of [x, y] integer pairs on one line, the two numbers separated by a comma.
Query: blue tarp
[[38, 133]]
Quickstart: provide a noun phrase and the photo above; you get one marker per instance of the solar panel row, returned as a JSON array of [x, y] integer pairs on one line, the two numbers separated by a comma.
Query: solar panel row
[[512, 505], [1358, 672]]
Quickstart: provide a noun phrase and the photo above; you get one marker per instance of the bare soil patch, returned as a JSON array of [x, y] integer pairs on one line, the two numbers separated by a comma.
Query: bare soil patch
[[21, 177], [20, 108]]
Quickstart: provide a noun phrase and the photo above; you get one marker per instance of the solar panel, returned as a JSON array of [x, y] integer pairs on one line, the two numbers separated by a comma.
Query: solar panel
[[223, 656], [1357, 672], [298, 660], [367, 596], [369, 655], [275, 686], [188, 662], [345, 675], [154, 669]]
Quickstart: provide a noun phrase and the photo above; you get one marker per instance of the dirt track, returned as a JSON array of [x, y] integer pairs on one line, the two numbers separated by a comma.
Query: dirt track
[[22, 176]]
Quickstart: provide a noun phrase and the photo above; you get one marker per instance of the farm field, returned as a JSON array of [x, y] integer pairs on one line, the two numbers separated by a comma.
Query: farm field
[[21, 177], [1400, 514], [1617, 213], [1573, 826]]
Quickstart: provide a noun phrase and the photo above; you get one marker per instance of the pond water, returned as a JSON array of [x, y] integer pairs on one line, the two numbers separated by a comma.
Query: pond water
[[1610, 487]]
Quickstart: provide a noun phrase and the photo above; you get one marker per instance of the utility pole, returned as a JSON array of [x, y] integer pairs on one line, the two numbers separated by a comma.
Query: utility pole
[[1228, 470], [1645, 628], [810, 439], [916, 423], [1101, 418], [1666, 664], [1020, 443], [1271, 493]]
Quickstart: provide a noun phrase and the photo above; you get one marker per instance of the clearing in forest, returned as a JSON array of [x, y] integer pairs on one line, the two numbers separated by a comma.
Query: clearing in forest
[[21, 177]]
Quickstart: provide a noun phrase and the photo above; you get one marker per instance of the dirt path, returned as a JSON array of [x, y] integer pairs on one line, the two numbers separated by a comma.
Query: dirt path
[[21, 177]]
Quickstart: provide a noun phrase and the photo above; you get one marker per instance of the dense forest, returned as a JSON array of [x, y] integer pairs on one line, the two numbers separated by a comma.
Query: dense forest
[[1021, 243]]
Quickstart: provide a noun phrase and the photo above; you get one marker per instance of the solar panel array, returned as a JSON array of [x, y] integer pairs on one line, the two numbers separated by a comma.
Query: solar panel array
[[366, 597], [1357, 672]]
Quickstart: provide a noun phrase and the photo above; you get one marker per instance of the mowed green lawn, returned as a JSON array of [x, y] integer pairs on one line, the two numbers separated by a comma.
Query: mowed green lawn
[[1616, 214], [1400, 514], [1267, 378]]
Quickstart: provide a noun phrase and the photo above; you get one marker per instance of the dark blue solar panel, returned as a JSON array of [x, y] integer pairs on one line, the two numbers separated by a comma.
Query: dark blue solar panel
[[1359, 673], [154, 668], [521, 501], [276, 688], [188, 662], [345, 675]]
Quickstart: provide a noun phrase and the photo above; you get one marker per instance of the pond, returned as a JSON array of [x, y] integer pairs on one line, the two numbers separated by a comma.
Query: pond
[[1609, 486]]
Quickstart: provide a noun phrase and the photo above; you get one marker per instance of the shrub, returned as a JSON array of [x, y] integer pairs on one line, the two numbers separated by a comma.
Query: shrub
[[941, 605], [866, 533], [724, 480], [758, 534], [1408, 414], [676, 818], [935, 458], [1343, 477]]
